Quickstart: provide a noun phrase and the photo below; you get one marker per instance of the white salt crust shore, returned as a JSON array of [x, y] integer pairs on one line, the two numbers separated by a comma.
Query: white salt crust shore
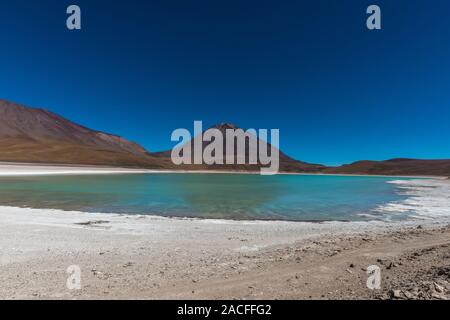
[[136, 257], [13, 170], [26, 234]]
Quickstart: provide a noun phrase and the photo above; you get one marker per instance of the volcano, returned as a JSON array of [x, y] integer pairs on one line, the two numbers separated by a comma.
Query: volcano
[[287, 164]]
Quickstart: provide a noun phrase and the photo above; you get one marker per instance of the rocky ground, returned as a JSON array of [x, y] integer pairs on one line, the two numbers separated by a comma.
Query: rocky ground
[[419, 274]]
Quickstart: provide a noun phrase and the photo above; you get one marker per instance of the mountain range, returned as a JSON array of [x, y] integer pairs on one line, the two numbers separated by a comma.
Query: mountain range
[[34, 135]]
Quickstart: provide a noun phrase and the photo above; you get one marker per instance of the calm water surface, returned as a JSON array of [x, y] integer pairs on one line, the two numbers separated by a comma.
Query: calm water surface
[[230, 196]]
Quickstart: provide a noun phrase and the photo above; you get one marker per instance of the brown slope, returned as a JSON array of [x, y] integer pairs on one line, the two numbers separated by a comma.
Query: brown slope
[[287, 164], [37, 135], [17, 121], [401, 167]]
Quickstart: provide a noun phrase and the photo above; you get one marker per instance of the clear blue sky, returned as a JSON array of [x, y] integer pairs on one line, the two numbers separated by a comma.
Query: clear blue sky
[[337, 92]]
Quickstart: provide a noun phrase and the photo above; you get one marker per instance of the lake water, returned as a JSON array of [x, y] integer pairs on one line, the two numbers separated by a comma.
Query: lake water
[[228, 196]]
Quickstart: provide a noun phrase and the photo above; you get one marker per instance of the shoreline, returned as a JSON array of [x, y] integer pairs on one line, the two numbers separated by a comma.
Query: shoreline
[[48, 213], [10, 169]]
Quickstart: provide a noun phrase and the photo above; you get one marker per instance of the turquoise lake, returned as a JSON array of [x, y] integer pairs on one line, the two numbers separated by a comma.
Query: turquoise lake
[[224, 196]]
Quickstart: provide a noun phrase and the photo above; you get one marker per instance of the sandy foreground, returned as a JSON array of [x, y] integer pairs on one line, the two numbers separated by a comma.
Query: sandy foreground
[[144, 257], [157, 258]]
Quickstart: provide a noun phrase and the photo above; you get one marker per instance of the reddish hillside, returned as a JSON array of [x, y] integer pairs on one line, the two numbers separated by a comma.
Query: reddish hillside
[[402, 167], [38, 135]]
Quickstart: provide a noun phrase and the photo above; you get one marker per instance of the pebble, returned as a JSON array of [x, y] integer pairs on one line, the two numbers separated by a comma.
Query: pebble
[[439, 288], [396, 294]]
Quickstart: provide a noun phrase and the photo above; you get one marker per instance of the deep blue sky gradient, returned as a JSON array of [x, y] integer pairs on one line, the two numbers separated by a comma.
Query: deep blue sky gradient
[[337, 92]]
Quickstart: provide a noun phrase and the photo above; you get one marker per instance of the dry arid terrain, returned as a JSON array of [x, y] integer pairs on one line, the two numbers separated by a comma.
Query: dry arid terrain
[[142, 257]]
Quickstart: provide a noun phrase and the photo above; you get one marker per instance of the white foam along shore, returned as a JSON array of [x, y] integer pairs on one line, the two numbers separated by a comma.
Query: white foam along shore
[[426, 199]]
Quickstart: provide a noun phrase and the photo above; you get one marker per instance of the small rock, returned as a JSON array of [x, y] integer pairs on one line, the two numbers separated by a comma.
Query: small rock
[[439, 288], [409, 295], [438, 296], [396, 294]]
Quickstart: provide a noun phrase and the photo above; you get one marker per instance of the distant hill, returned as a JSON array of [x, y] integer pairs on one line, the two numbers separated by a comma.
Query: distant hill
[[38, 135], [401, 167]]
